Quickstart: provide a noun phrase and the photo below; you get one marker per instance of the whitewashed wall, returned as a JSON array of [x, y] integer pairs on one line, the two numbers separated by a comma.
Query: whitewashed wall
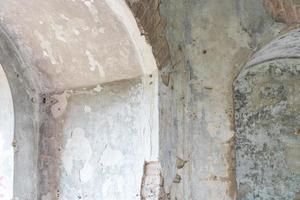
[[6, 139]]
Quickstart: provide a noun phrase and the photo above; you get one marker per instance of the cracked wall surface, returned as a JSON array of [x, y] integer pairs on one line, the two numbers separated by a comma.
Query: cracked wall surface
[[93, 117], [209, 41], [267, 122], [103, 137], [56, 66]]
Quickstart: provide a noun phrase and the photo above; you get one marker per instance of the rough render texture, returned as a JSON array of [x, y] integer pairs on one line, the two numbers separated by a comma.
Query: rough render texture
[[267, 120], [209, 42], [267, 123]]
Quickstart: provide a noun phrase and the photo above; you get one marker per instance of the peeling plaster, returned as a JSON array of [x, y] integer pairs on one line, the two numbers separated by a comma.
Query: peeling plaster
[[46, 197], [61, 104], [93, 63], [98, 88], [86, 172], [116, 123], [65, 31], [59, 32], [93, 10], [87, 109], [46, 46], [267, 112], [77, 148], [111, 157], [64, 17]]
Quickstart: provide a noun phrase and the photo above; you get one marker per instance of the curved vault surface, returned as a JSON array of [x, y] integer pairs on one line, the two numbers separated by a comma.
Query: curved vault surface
[[77, 43]]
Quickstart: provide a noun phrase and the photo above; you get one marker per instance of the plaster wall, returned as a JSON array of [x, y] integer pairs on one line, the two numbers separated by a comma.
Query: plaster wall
[[104, 136], [99, 39], [43, 61], [6, 139], [23, 84], [267, 120], [266, 97], [210, 42], [74, 136]]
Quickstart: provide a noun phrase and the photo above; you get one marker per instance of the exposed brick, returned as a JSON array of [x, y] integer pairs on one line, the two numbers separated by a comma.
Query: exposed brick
[[286, 11], [152, 181], [290, 13], [276, 4], [135, 7], [152, 24], [160, 27], [297, 8], [141, 11], [147, 14], [158, 44], [163, 57]]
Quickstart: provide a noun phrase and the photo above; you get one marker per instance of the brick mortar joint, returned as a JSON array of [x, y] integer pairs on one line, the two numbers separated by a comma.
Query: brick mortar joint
[[286, 11], [147, 27]]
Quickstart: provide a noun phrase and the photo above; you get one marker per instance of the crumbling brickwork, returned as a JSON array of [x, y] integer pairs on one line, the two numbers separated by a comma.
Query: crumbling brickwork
[[152, 182], [286, 11], [152, 25]]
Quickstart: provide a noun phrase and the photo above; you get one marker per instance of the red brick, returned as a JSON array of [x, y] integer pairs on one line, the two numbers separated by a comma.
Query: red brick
[[290, 12], [134, 8], [297, 8], [296, 2], [276, 5], [160, 27], [140, 12], [286, 11], [150, 23]]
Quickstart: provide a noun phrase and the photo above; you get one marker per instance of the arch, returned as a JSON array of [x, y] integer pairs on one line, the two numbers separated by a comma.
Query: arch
[[79, 56], [267, 108], [24, 89]]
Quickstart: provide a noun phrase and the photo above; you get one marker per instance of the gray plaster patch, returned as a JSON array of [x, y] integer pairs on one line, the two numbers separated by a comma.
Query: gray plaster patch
[[267, 112]]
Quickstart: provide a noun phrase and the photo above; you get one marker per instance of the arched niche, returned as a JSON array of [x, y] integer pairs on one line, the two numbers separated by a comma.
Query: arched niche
[[55, 57], [267, 119], [24, 91], [6, 139]]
